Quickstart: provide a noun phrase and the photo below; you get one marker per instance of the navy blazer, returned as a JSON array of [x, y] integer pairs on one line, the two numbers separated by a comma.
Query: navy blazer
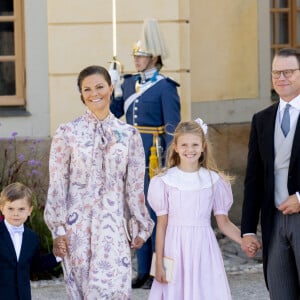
[[157, 106], [259, 180], [15, 275]]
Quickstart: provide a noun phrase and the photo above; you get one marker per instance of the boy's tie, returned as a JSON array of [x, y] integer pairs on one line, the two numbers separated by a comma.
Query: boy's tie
[[285, 123]]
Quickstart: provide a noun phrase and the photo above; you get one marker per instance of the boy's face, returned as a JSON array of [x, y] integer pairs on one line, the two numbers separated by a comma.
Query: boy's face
[[16, 212]]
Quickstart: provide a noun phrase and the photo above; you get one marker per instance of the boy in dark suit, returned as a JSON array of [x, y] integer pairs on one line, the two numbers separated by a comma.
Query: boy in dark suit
[[19, 245]]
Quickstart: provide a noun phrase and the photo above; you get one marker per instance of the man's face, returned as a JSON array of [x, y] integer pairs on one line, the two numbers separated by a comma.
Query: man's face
[[142, 63], [286, 88]]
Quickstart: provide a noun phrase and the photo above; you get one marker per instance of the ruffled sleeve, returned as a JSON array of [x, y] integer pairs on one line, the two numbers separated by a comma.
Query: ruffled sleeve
[[158, 196], [223, 198]]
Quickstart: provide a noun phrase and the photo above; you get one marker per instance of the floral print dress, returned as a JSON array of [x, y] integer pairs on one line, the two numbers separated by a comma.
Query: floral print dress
[[95, 168]]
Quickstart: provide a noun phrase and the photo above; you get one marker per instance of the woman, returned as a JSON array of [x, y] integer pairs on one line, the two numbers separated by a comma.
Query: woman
[[96, 170]]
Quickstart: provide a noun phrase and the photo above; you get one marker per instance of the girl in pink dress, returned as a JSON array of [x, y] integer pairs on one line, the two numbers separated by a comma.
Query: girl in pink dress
[[183, 198]]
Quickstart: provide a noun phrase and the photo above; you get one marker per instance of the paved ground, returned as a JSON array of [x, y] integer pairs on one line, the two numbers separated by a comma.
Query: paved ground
[[245, 277], [246, 286]]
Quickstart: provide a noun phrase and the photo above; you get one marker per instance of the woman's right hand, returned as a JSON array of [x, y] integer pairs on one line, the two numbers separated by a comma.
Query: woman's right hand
[[60, 246]]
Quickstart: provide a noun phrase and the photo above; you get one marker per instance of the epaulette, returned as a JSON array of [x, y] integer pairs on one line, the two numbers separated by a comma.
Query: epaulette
[[172, 81]]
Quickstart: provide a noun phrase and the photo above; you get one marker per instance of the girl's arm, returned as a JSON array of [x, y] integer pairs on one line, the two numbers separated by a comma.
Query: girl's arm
[[161, 226], [228, 228]]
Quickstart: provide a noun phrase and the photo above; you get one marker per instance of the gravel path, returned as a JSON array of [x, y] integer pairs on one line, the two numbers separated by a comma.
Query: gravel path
[[245, 286]]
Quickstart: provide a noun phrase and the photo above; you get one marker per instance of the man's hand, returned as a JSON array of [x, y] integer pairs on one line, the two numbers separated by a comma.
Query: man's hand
[[290, 206], [250, 245]]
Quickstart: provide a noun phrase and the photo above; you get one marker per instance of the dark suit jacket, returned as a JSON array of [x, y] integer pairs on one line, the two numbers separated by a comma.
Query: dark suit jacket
[[15, 275], [259, 181]]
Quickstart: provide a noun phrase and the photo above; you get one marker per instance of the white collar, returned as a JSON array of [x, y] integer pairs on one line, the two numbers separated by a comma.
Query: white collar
[[190, 181], [10, 227], [295, 103]]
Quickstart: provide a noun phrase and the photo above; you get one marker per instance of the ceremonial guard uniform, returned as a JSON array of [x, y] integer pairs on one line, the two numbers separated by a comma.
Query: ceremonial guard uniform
[[151, 103]]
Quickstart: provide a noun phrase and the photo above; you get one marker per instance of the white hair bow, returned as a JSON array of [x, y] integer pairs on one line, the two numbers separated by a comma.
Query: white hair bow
[[202, 125]]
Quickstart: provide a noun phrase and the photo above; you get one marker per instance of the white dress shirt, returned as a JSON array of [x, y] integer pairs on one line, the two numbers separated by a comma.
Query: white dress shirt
[[16, 237]]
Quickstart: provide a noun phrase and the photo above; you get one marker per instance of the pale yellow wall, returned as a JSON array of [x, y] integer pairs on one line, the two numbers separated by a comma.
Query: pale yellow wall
[[224, 50], [80, 34], [213, 47]]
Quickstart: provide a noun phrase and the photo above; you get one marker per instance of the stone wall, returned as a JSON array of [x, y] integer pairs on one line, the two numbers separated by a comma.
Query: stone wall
[[230, 146]]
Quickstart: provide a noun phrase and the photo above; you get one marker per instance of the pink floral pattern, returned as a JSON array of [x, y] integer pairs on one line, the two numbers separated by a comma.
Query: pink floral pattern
[[95, 167]]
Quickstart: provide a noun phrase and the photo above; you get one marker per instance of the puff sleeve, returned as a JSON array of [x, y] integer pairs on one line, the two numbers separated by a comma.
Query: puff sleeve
[[158, 196], [222, 197]]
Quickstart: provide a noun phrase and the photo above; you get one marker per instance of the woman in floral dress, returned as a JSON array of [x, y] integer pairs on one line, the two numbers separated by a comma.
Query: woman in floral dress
[[96, 169]]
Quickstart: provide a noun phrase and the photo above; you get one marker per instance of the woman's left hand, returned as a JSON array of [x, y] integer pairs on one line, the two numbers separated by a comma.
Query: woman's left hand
[[137, 243]]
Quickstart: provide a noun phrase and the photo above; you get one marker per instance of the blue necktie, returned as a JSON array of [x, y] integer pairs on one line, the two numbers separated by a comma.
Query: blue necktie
[[285, 123]]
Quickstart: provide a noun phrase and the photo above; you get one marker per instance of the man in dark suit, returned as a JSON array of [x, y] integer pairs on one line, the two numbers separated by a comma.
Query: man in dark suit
[[19, 245], [272, 182]]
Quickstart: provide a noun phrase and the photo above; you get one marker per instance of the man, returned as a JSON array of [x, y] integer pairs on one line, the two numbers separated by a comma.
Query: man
[[272, 182], [151, 103]]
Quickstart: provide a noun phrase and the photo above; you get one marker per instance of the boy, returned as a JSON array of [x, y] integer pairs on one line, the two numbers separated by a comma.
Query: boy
[[19, 245]]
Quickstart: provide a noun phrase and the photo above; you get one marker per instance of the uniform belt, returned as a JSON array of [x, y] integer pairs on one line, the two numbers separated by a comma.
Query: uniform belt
[[151, 130]]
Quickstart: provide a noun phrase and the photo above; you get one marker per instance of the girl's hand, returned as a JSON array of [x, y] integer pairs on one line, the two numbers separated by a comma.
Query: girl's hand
[[137, 243], [160, 275], [252, 248]]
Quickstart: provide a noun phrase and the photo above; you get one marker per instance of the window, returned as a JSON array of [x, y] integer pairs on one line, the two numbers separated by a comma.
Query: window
[[285, 20], [12, 77]]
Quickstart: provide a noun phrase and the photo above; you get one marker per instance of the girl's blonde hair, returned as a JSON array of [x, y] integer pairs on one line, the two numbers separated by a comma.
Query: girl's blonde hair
[[206, 160]]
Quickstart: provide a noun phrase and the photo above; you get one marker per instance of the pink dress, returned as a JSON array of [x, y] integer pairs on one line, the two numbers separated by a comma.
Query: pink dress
[[188, 199]]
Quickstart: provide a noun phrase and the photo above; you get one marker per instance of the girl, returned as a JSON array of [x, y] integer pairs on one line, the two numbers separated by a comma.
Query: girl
[[183, 198]]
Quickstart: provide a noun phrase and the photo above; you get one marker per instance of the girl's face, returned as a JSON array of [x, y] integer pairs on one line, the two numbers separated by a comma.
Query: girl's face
[[96, 93], [17, 211], [189, 148]]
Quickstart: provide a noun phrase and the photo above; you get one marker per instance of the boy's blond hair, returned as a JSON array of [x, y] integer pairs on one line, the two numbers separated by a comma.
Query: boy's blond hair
[[16, 191]]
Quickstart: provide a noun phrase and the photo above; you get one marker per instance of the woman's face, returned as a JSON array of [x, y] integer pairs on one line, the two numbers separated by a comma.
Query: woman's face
[[96, 93]]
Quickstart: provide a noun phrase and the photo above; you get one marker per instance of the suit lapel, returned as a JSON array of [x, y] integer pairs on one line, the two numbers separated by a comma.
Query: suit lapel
[[296, 144], [269, 131], [26, 244], [7, 239]]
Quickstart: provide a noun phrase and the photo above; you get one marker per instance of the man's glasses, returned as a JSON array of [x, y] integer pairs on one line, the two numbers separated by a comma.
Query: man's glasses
[[286, 73]]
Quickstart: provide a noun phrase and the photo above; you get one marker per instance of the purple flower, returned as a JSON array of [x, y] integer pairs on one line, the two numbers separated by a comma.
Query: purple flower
[[31, 162], [14, 134], [21, 157], [38, 163]]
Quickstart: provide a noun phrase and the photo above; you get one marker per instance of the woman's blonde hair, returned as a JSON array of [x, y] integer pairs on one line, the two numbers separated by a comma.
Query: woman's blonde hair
[[206, 159]]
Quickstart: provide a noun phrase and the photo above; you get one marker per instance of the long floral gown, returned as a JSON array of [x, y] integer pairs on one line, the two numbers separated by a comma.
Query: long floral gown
[[95, 167]]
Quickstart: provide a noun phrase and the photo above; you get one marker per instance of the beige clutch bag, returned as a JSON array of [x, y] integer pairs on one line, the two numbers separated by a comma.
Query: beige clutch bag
[[168, 265], [131, 228]]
